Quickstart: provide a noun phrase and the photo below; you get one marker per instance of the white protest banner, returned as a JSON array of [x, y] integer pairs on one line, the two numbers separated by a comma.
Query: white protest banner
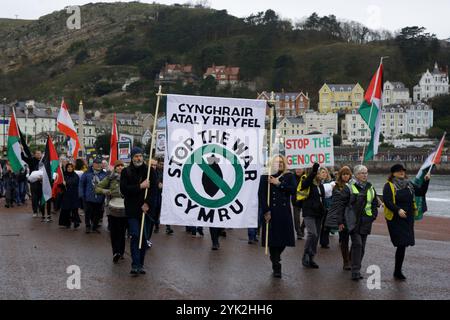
[[160, 148], [303, 151], [213, 161]]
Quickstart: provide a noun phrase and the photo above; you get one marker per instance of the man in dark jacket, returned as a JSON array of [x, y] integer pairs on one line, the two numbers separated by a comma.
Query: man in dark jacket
[[133, 182], [357, 209], [92, 202]]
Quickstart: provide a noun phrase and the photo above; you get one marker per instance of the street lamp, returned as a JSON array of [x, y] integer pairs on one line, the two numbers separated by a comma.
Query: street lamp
[[4, 123]]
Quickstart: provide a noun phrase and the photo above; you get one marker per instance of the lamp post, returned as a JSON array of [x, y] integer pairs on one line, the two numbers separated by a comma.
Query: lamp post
[[4, 124]]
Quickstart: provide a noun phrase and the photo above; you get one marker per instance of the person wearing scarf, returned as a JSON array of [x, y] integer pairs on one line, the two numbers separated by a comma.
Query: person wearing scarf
[[401, 226]]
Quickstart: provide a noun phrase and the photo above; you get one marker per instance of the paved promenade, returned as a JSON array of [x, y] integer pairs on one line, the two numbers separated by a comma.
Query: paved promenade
[[34, 257]]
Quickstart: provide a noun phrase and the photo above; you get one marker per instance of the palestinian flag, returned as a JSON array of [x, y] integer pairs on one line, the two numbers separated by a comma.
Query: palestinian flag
[[432, 159], [370, 111], [14, 150], [50, 166], [26, 153]]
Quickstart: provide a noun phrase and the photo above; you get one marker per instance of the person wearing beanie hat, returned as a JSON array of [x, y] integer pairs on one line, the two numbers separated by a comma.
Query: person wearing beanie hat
[[115, 209], [133, 182], [92, 202], [400, 208]]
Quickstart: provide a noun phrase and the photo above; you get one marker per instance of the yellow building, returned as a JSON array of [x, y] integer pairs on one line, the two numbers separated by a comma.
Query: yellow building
[[340, 97]]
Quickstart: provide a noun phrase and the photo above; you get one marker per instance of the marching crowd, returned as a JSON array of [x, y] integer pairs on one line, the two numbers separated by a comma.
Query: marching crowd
[[290, 202]]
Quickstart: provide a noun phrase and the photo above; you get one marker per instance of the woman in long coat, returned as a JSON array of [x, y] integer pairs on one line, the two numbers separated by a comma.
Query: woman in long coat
[[69, 199], [278, 214], [399, 200]]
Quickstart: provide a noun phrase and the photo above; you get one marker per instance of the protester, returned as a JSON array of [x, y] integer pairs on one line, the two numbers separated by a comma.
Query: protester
[[328, 185], [313, 212], [300, 174], [70, 201], [117, 220], [10, 185], [36, 186], [357, 209], [133, 182], [92, 202], [44, 207], [105, 166], [21, 191], [277, 213], [158, 166], [400, 209], [343, 176]]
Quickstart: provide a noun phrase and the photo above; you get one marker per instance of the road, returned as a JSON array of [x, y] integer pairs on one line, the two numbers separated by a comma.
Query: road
[[35, 256]]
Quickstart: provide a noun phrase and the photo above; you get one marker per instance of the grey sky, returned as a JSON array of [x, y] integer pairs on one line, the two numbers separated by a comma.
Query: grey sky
[[387, 14]]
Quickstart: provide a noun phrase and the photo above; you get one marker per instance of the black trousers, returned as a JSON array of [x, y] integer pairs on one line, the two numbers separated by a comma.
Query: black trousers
[[67, 216], [118, 227], [36, 195], [215, 233], [275, 257], [93, 212]]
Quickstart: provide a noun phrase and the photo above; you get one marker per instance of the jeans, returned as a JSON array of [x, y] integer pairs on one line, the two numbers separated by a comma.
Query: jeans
[[252, 233], [313, 225], [357, 250], [134, 229], [21, 192]]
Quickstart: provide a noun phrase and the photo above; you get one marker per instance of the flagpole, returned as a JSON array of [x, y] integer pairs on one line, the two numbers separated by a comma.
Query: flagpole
[[152, 143], [272, 99], [371, 109]]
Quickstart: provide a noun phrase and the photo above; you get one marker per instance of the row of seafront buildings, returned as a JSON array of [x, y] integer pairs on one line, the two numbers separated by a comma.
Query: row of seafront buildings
[[402, 115], [37, 120]]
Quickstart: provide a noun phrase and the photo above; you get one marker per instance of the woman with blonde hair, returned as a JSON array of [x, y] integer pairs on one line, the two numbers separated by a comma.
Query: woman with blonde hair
[[277, 213]]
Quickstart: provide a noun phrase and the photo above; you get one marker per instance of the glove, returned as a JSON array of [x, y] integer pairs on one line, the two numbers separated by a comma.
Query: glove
[[315, 167]]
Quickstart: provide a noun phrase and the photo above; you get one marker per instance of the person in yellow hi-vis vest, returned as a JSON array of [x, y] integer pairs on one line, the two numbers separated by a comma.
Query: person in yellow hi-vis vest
[[399, 210], [357, 209]]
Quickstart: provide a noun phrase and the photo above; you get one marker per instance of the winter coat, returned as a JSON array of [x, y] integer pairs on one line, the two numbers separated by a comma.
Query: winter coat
[[69, 198], [354, 205], [401, 230], [313, 205], [130, 180], [87, 185], [112, 184], [331, 220], [281, 227]]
